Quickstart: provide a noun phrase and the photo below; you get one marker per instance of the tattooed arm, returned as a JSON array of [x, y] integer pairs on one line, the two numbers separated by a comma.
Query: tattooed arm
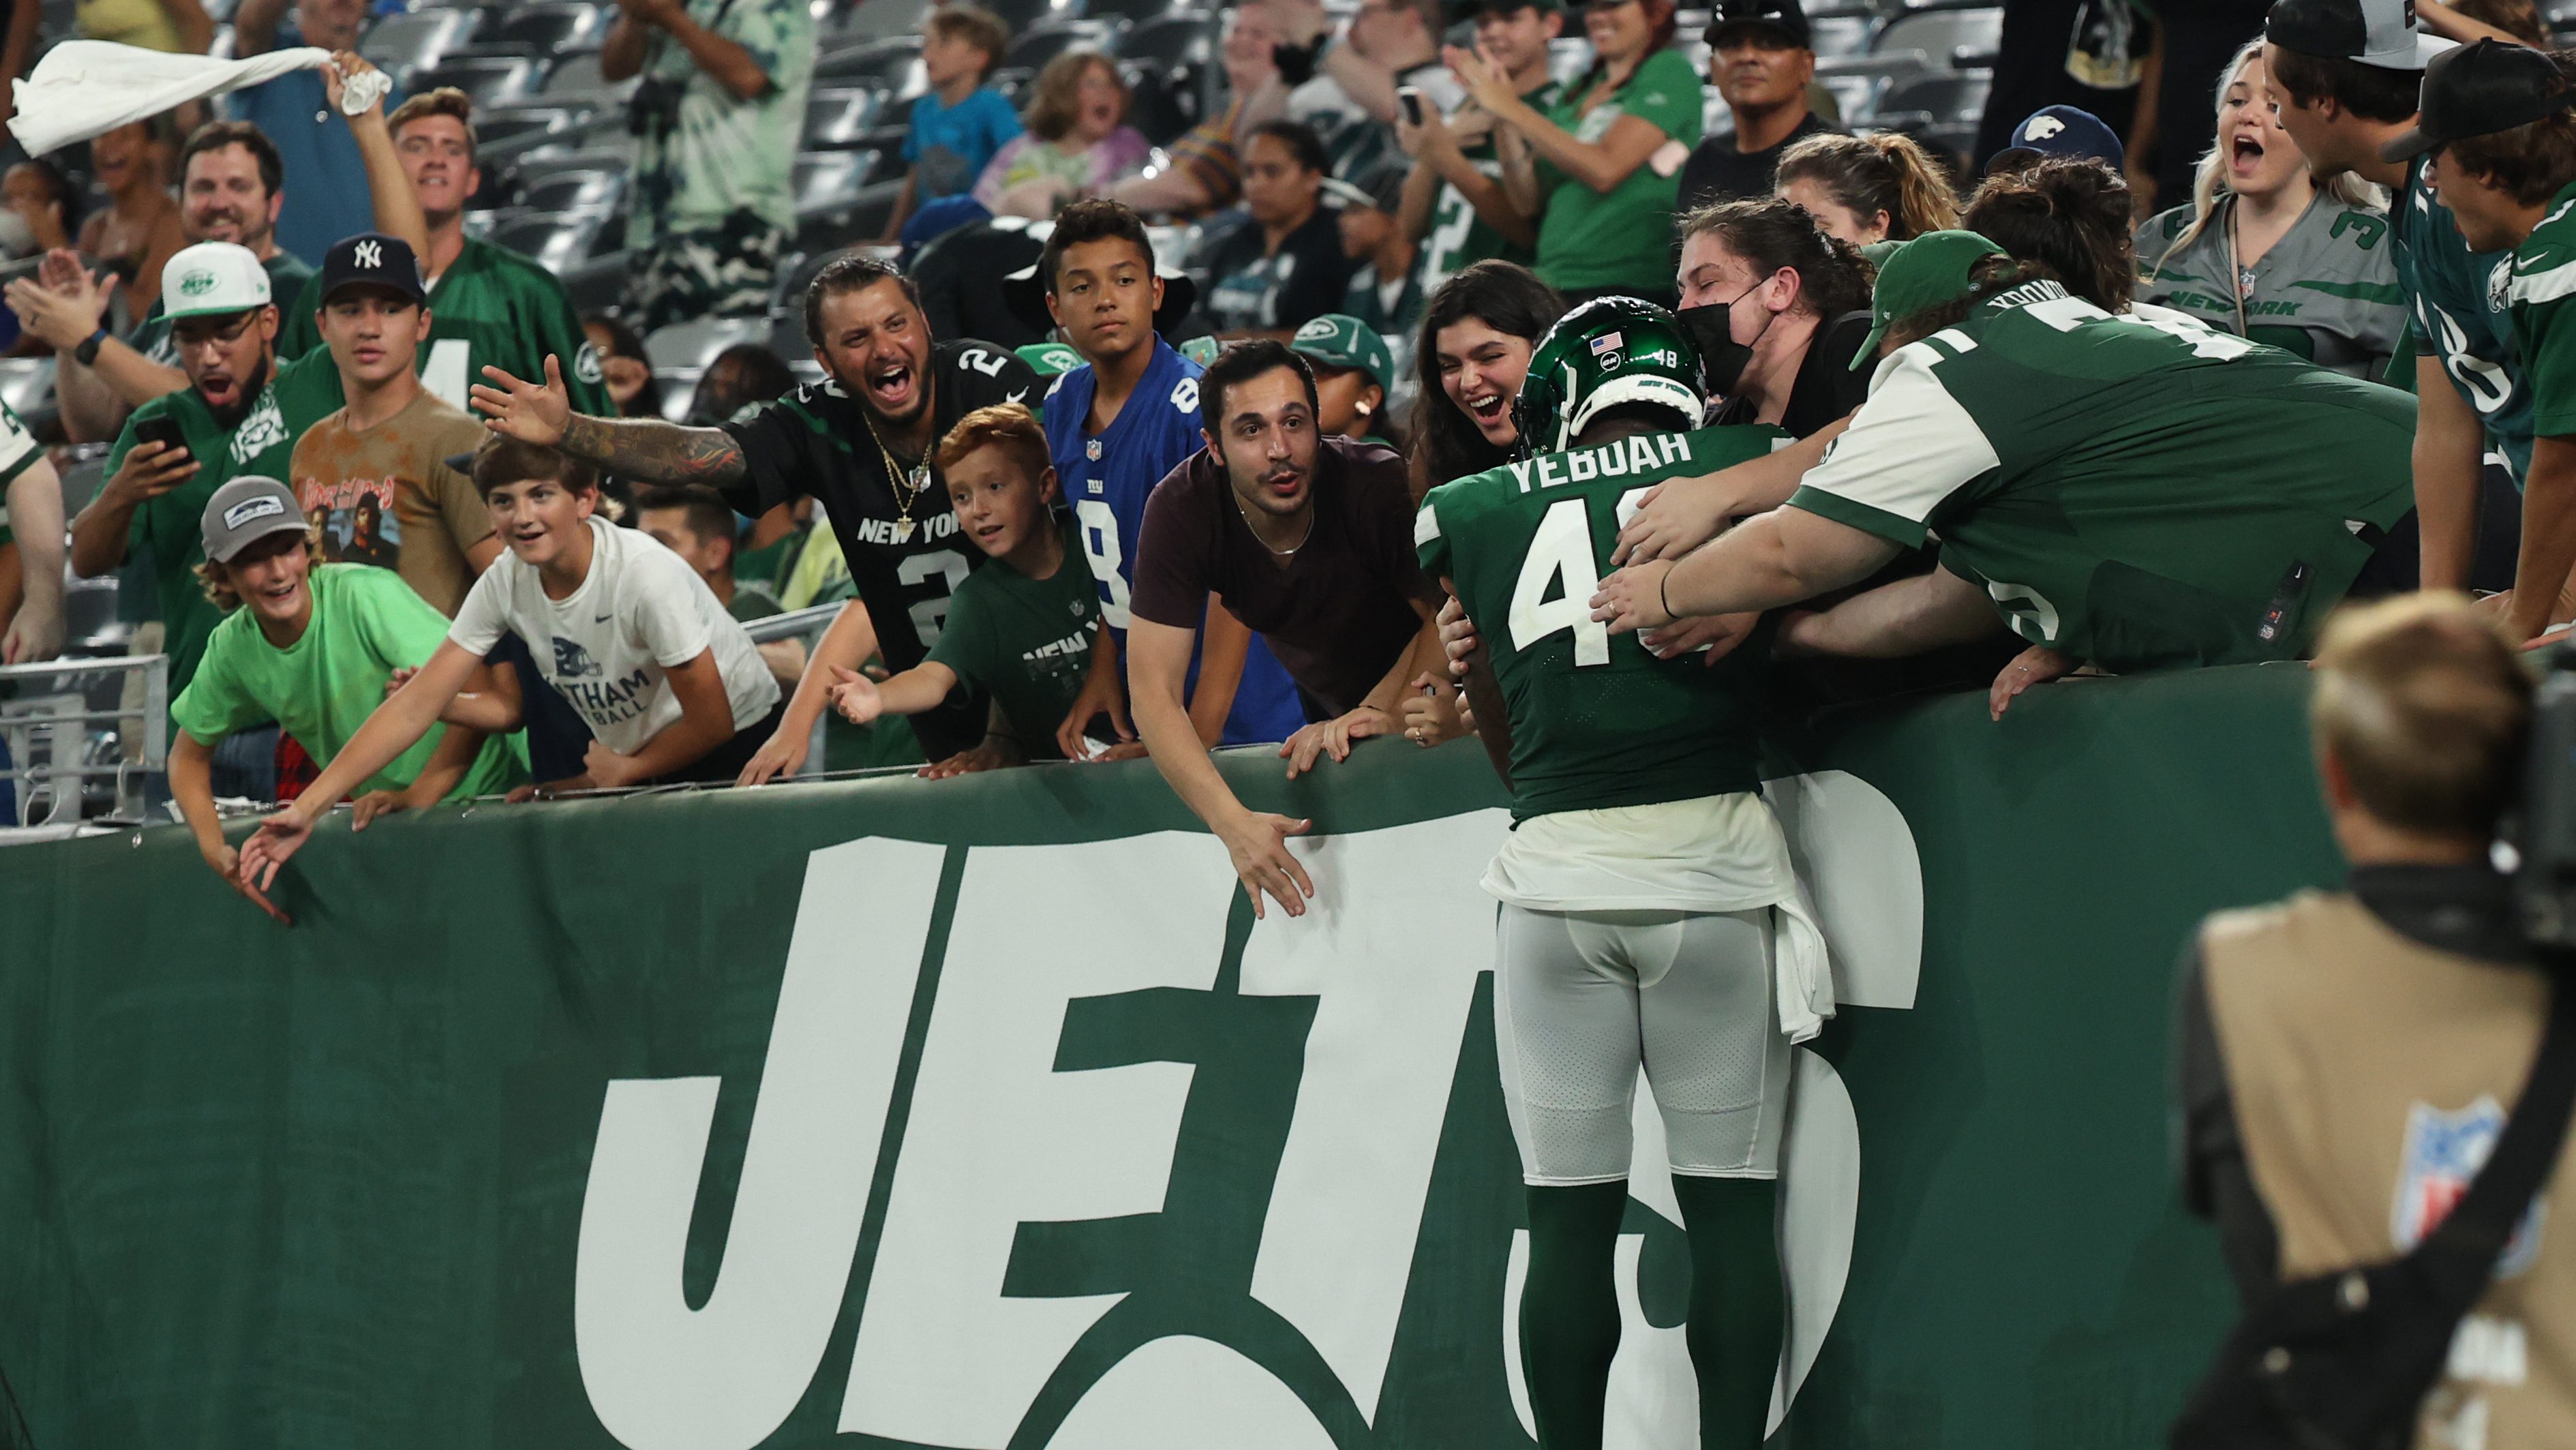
[[646, 450]]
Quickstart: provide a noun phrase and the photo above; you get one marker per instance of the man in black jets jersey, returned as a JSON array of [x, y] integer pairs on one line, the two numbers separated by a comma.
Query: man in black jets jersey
[[859, 442]]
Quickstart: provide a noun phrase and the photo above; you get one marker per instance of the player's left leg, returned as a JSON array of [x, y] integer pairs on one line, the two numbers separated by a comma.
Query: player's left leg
[[1719, 1066]]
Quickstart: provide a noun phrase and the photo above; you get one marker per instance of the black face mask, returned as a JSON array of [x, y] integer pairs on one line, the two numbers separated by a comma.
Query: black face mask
[[1711, 329]]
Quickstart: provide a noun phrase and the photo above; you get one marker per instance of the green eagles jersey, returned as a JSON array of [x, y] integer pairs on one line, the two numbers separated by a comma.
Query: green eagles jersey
[[2538, 285], [287, 275], [171, 527], [1027, 641], [492, 307], [2327, 290], [2135, 493], [1458, 237], [2456, 311], [1596, 720]]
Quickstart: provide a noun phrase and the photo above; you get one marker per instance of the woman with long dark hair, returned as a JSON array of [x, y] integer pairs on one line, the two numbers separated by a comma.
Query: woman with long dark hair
[[1477, 332]]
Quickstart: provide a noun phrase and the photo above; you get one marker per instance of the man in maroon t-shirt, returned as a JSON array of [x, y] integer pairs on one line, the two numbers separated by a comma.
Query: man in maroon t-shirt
[[1309, 542]]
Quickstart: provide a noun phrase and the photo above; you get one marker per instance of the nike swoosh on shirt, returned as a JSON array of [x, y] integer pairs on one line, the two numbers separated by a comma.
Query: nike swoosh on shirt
[[1019, 396], [603, 619]]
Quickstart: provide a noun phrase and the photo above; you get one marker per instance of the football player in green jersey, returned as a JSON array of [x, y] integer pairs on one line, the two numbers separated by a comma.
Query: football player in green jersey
[[1650, 915], [488, 305], [2496, 122], [2132, 493]]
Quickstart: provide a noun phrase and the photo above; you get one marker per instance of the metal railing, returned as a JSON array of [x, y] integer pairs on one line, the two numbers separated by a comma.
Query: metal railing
[[808, 625], [68, 722]]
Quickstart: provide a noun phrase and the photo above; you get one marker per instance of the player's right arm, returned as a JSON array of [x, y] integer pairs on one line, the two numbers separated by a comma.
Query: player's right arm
[[1158, 660], [646, 450], [394, 727], [2450, 460]]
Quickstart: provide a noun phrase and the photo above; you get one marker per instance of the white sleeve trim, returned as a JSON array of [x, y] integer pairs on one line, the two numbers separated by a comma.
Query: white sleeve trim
[[1909, 446]]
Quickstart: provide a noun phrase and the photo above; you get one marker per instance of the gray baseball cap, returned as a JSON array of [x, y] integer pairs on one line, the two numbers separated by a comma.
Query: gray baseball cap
[[246, 510]]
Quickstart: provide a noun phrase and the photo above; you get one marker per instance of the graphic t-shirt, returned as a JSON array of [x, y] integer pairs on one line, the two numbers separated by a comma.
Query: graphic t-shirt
[[1106, 477], [170, 528], [491, 306], [2457, 312], [2136, 493], [287, 276], [2542, 278], [2327, 290], [366, 624], [1458, 236], [640, 611], [949, 146], [385, 496], [1258, 290], [726, 156], [1624, 238], [1596, 720], [1027, 641]]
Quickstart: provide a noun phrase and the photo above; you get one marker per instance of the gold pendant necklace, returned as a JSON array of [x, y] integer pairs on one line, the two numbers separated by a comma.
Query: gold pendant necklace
[[907, 485]]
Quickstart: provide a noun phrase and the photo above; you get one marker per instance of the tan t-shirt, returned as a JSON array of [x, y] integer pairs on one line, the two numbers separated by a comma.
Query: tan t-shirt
[[385, 496]]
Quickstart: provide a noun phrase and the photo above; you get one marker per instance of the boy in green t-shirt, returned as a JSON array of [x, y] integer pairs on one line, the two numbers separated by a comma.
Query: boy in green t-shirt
[[309, 646], [1022, 627]]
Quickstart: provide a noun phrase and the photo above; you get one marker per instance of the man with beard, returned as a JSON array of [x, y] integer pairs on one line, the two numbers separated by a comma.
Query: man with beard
[[859, 442], [232, 189], [237, 415], [1309, 542], [487, 304]]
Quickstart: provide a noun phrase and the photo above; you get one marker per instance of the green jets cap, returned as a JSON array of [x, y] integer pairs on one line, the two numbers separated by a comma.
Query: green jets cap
[[211, 279], [1048, 359], [1925, 272], [1339, 340]]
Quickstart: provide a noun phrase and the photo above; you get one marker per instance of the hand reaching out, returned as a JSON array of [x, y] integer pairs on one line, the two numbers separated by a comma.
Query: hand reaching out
[[535, 413], [855, 696]]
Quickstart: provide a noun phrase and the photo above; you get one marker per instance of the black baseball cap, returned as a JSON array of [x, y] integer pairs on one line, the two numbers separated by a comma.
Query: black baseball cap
[[1780, 17], [2380, 33], [2479, 89], [372, 259], [2057, 131]]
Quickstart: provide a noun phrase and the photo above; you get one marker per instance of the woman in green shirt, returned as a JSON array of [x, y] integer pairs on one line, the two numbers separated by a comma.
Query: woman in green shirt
[[1602, 167]]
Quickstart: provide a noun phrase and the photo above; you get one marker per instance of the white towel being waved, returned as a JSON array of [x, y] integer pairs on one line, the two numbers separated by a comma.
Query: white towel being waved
[[86, 88]]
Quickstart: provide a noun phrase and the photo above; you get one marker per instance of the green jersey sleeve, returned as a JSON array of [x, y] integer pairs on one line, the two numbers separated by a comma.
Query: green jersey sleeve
[[1909, 449], [1427, 540], [2541, 300], [1666, 95]]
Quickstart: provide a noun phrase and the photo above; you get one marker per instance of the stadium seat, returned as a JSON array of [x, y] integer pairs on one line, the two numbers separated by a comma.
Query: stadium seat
[[874, 19], [827, 181], [552, 30], [1919, 103], [1034, 48], [1135, 11], [1949, 38], [556, 241], [1022, 15], [577, 78], [892, 65], [488, 80], [1842, 31], [504, 136], [1856, 81], [1188, 38], [690, 346], [567, 191], [404, 45], [841, 117], [1163, 102]]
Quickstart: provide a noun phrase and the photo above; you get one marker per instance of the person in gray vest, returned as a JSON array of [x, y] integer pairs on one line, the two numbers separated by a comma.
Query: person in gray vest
[[2265, 251], [2345, 1056]]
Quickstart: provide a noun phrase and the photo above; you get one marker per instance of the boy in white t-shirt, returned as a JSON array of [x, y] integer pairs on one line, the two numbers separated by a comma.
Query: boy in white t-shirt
[[624, 630]]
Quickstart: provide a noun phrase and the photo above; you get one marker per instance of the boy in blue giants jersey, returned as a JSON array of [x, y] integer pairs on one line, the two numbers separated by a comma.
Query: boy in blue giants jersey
[[1115, 426]]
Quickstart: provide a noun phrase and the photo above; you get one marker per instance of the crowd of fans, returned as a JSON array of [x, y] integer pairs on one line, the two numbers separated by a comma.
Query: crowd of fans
[[1391, 206]]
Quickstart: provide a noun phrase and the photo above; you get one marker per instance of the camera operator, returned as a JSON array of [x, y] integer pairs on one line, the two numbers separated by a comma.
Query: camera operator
[[2343, 1056], [716, 117]]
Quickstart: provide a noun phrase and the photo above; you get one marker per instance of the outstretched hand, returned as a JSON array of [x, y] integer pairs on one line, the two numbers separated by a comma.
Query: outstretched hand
[[855, 696], [276, 841], [1633, 598], [535, 413]]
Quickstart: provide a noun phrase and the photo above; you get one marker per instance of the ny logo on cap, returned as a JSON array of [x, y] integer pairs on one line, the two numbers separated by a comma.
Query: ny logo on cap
[[370, 255], [2041, 128]]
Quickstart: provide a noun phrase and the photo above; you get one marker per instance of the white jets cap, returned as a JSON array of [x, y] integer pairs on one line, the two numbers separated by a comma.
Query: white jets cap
[[212, 278]]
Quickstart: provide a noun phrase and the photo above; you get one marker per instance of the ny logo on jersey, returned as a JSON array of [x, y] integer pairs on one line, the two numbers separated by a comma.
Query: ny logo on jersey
[[369, 255]]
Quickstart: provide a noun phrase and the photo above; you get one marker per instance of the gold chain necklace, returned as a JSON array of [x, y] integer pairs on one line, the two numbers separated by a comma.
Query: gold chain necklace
[[907, 485]]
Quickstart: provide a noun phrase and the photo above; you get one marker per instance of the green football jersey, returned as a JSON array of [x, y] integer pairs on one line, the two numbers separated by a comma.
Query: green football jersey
[[2135, 493], [1597, 721], [493, 307], [2326, 291], [2457, 312], [1458, 237], [171, 527], [2537, 297], [1027, 641]]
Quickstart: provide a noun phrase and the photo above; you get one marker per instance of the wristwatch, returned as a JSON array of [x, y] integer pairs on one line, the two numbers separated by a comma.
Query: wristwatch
[[87, 353]]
